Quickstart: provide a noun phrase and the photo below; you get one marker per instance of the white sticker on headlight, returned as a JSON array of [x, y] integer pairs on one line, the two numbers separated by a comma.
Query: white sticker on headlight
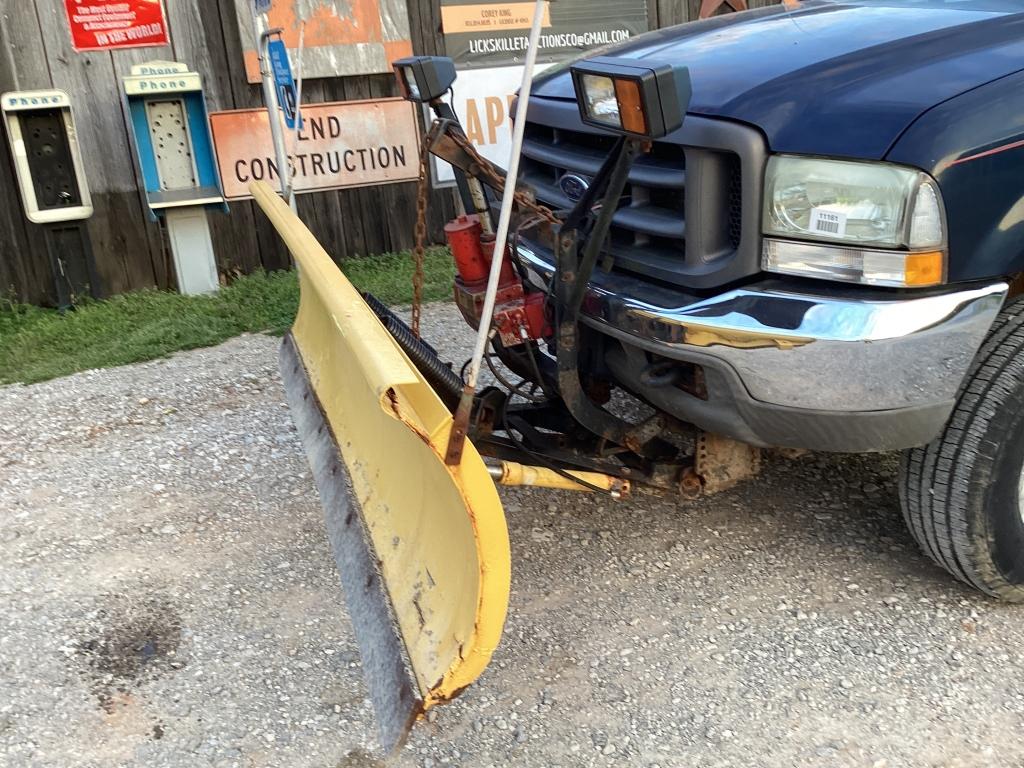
[[826, 222]]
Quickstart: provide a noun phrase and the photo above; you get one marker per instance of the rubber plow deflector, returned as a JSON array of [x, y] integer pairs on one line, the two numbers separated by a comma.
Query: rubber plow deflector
[[422, 548]]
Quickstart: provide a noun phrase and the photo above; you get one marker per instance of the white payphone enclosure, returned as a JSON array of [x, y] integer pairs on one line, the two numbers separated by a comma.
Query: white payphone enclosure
[[47, 158]]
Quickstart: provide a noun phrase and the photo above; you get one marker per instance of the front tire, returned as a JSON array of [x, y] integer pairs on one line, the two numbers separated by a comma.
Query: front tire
[[963, 494]]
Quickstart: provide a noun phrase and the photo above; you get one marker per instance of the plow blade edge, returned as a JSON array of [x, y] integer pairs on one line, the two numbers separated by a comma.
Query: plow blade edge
[[422, 548]]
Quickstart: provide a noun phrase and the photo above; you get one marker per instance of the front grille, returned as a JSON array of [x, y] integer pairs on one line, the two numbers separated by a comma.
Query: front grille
[[735, 201], [651, 218], [686, 209]]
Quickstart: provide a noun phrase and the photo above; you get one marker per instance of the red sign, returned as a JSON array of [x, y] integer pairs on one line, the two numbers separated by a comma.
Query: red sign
[[99, 25]]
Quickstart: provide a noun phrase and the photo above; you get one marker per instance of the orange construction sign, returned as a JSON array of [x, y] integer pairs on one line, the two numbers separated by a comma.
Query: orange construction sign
[[343, 144]]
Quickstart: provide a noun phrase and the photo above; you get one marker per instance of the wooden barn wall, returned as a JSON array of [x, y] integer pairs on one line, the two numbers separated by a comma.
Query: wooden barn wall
[[131, 251]]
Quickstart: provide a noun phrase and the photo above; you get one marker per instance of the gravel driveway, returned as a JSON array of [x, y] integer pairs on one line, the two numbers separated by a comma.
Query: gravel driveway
[[169, 600]]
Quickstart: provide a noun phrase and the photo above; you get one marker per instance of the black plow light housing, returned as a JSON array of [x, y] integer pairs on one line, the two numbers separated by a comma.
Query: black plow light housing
[[424, 78], [635, 97]]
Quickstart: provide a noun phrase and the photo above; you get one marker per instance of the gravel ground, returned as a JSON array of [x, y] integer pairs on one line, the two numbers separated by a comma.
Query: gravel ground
[[169, 600]]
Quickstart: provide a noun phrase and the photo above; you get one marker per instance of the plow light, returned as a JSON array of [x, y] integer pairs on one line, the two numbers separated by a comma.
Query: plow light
[[638, 98], [424, 78]]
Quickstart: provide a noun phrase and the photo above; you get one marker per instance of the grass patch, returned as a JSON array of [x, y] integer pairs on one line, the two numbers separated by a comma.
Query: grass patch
[[389, 277], [39, 344]]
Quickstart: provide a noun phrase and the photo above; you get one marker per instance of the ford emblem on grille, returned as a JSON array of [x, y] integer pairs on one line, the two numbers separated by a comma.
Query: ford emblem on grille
[[574, 186]]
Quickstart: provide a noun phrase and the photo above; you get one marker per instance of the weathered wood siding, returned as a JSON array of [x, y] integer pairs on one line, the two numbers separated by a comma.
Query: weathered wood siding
[[131, 252]]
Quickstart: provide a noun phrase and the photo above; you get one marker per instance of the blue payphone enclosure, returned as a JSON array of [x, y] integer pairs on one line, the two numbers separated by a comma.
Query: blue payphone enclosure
[[158, 81]]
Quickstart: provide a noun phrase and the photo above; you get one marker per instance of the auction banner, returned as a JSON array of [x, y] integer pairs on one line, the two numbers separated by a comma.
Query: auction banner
[[488, 42], [482, 99], [482, 35], [343, 144], [100, 26]]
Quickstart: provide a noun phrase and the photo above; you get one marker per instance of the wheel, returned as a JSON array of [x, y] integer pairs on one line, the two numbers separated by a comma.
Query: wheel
[[963, 494]]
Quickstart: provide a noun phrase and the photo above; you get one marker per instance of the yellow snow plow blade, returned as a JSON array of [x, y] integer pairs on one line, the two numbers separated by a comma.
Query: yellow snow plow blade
[[422, 548]]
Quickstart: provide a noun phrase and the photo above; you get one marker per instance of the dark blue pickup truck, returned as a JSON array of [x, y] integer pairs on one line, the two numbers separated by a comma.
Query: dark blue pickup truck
[[831, 245]]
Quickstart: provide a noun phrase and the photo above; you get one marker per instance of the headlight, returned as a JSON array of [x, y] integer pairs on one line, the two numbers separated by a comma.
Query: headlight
[[885, 220], [424, 78], [638, 98], [409, 78], [601, 103]]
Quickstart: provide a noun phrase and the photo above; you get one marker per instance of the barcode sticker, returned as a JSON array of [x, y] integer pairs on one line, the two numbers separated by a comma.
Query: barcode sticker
[[826, 222]]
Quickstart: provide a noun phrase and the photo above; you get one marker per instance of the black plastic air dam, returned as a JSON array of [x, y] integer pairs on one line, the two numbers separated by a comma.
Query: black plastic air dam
[[442, 378]]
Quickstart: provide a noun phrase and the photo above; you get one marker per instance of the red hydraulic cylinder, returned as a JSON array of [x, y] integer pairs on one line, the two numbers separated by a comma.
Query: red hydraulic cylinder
[[508, 272], [463, 235]]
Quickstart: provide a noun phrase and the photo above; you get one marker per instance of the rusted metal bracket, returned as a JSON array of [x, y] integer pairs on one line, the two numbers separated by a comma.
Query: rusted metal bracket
[[572, 275], [446, 148], [719, 464], [448, 144], [460, 427]]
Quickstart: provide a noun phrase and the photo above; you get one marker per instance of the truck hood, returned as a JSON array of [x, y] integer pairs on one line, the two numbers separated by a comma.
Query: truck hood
[[833, 78]]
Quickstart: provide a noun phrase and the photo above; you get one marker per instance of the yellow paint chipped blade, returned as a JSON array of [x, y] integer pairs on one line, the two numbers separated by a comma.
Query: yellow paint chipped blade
[[422, 548]]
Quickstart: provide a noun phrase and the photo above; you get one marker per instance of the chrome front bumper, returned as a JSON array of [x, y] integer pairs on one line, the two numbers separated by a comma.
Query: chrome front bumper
[[807, 352]]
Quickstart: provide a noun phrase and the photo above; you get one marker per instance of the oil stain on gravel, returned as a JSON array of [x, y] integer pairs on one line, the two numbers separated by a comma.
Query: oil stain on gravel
[[130, 641], [357, 758]]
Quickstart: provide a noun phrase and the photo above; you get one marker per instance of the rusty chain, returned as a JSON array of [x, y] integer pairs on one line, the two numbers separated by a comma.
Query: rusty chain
[[484, 169], [419, 251]]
